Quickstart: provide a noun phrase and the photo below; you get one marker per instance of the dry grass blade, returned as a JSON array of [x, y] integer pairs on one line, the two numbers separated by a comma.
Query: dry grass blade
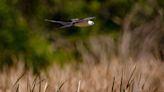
[[78, 89], [32, 90], [34, 84], [17, 89], [27, 84], [130, 78], [121, 86], [40, 84], [132, 85], [45, 87], [113, 84], [19, 78], [58, 90], [40, 81]]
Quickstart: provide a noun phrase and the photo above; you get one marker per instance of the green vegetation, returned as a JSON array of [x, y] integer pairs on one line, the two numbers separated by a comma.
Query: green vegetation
[[26, 37]]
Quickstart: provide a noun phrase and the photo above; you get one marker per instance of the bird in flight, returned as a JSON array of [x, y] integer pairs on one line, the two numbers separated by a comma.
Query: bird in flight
[[82, 22]]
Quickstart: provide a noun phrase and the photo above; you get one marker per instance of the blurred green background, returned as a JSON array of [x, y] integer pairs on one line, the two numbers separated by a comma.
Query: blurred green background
[[26, 37]]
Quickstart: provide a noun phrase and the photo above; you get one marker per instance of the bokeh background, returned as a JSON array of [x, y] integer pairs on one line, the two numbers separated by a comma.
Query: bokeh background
[[122, 52], [123, 28]]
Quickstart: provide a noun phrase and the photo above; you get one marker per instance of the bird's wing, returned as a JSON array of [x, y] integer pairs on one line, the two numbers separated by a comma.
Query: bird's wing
[[88, 18], [82, 19], [74, 20], [65, 26], [59, 22]]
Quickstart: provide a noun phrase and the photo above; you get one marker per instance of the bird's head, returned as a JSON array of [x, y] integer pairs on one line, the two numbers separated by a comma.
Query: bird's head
[[90, 22]]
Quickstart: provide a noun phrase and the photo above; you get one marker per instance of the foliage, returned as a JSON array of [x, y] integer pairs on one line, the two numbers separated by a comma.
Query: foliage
[[24, 33]]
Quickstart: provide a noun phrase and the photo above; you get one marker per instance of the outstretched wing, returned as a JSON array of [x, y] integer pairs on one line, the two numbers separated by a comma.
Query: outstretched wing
[[65, 26], [74, 20], [59, 22], [88, 18], [82, 19]]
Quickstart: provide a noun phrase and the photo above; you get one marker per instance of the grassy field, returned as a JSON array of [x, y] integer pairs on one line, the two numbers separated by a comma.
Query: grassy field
[[132, 64], [122, 52], [112, 77]]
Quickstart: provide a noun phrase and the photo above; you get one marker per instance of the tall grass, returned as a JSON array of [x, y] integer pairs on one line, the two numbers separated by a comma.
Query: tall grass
[[115, 77], [132, 64]]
